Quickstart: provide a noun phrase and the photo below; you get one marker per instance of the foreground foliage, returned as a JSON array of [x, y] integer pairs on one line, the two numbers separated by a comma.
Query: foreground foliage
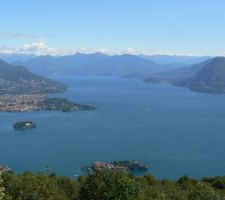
[[108, 185], [1, 189]]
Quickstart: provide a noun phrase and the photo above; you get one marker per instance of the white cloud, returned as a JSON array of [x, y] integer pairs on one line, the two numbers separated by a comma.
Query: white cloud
[[133, 51], [37, 48], [41, 48], [33, 48]]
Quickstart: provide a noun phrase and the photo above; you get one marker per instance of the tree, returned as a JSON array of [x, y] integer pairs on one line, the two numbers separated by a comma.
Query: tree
[[219, 183], [204, 192], [1, 189], [30, 186], [109, 185], [186, 182]]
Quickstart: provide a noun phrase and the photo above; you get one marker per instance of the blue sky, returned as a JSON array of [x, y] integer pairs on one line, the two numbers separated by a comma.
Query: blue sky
[[149, 26]]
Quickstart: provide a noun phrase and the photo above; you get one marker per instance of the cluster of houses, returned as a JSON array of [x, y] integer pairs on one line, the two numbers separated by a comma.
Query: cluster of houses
[[109, 166], [20, 103]]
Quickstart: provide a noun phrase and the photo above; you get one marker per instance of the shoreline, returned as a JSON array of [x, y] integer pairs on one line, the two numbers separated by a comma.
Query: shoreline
[[38, 102]]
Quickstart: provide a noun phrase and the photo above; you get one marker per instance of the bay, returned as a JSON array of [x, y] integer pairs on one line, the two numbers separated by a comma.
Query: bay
[[172, 129]]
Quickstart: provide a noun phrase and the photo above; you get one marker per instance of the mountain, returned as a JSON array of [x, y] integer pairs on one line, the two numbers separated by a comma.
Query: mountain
[[102, 64], [16, 57], [19, 80], [208, 76], [179, 75], [211, 78], [176, 59], [92, 64]]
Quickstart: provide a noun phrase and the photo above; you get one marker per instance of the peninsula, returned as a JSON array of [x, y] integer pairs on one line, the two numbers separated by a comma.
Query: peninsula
[[37, 102], [22, 91], [62, 104]]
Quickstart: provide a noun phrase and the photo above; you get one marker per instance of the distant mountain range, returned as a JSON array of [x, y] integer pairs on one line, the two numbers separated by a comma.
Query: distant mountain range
[[92, 64], [19, 80], [207, 75], [125, 65]]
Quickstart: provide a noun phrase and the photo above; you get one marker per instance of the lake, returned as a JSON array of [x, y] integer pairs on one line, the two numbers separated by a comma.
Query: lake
[[172, 129]]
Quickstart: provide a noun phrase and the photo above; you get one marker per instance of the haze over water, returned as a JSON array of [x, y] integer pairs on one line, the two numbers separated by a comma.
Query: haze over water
[[174, 130]]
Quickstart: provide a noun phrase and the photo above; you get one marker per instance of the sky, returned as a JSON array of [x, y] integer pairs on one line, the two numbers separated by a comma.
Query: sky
[[181, 27]]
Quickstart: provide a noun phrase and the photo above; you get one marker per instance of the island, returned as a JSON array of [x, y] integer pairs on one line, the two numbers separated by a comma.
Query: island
[[23, 125], [133, 166]]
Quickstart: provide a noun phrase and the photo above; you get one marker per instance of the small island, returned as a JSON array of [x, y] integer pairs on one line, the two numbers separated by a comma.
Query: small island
[[23, 125], [132, 166], [61, 104]]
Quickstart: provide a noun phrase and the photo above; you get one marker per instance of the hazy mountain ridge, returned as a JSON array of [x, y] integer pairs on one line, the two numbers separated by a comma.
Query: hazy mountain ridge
[[19, 80], [92, 64], [208, 76], [16, 57], [178, 75], [138, 66], [211, 78], [176, 59]]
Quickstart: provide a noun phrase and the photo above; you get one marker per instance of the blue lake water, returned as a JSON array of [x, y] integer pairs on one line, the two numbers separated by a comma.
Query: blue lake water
[[175, 131]]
